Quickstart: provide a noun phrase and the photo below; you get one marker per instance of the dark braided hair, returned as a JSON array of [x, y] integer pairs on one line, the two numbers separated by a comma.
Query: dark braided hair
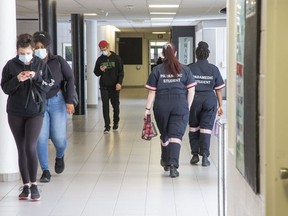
[[171, 63], [202, 51], [42, 37], [24, 41]]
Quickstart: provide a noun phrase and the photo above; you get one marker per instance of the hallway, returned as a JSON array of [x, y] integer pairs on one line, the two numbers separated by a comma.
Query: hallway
[[118, 174]]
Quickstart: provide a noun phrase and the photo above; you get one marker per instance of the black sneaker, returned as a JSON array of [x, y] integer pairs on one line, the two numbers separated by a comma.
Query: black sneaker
[[115, 126], [194, 159], [107, 130], [24, 195], [59, 165], [46, 176], [205, 161], [163, 164], [35, 195], [173, 171]]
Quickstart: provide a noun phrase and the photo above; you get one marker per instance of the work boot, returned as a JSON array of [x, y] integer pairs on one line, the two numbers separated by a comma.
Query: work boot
[[173, 171], [194, 160], [205, 161]]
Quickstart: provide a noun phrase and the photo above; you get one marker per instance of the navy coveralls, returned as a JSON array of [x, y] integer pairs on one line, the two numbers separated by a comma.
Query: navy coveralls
[[170, 108], [204, 106]]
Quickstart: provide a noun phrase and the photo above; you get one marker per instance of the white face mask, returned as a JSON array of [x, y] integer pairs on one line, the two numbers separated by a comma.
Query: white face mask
[[105, 52], [41, 53], [25, 58]]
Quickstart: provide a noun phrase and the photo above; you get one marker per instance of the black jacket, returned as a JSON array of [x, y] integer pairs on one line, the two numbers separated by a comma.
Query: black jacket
[[113, 74], [61, 71], [24, 98]]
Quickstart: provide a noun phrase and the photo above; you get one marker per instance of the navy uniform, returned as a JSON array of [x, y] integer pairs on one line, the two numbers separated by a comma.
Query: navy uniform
[[171, 109], [204, 107]]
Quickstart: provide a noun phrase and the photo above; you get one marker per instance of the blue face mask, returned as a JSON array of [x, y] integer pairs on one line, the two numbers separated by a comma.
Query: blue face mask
[[41, 53], [25, 58]]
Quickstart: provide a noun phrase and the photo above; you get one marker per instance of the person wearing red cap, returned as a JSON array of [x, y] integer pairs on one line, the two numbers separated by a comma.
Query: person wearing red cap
[[109, 68]]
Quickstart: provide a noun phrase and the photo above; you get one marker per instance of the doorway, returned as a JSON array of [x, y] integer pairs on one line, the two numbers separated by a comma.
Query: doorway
[[155, 52]]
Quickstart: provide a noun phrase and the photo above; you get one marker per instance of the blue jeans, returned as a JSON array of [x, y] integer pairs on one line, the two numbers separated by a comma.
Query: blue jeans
[[54, 127]]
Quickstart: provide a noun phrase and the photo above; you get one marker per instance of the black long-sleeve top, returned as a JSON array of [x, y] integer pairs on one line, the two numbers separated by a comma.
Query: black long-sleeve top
[[61, 70], [23, 97], [113, 74]]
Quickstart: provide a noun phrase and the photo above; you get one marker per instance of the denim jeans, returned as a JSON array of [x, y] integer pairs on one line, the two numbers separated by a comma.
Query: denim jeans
[[54, 128]]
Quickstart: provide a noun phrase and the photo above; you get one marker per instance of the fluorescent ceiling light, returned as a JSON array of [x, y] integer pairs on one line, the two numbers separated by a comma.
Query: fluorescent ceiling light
[[162, 18], [163, 13], [90, 14], [163, 6], [158, 32]]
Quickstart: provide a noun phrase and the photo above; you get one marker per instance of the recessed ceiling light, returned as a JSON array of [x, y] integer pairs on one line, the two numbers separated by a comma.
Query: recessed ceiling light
[[163, 13], [163, 6]]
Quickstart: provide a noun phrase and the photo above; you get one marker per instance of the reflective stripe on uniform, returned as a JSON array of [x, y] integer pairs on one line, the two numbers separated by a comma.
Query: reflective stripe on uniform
[[194, 129], [219, 87], [175, 140], [165, 144], [150, 88], [206, 131]]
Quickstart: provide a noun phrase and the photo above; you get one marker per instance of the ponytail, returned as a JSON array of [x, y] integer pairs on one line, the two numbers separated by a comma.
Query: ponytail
[[171, 63]]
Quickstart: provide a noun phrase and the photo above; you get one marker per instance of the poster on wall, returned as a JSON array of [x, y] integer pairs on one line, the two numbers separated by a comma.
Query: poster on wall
[[185, 50], [247, 73], [240, 86]]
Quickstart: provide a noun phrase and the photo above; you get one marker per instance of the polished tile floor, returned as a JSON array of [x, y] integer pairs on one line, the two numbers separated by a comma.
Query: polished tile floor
[[118, 174]]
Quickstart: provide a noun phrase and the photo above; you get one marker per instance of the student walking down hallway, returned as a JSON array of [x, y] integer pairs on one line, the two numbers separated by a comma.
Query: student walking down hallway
[[204, 107]]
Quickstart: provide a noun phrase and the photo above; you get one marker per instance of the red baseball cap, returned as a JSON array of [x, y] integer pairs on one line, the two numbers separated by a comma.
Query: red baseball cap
[[103, 44]]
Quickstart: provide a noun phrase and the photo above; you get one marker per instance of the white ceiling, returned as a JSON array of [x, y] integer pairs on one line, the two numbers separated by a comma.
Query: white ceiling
[[130, 14]]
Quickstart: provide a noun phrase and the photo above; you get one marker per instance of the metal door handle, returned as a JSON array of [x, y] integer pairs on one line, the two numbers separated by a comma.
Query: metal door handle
[[283, 173]]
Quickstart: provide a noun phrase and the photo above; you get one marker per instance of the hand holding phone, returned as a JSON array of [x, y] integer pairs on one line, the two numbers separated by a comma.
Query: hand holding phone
[[25, 75]]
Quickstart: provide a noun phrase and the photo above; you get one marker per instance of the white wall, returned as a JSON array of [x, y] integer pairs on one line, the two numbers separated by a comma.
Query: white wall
[[63, 36], [29, 26], [215, 35]]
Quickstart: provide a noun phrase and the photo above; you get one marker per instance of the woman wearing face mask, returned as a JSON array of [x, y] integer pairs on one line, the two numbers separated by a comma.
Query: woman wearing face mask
[[26, 79], [54, 125]]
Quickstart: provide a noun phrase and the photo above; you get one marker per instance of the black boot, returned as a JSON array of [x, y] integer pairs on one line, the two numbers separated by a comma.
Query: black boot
[[194, 160], [173, 171], [205, 161], [163, 164]]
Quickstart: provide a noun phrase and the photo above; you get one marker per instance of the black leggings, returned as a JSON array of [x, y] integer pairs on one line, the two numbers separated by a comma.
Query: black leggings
[[26, 131]]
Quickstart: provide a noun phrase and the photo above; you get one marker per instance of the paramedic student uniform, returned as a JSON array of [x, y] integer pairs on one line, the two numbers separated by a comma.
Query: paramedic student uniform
[[204, 107], [171, 88]]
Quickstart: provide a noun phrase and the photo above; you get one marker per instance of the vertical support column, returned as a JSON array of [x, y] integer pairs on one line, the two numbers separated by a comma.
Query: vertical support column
[[48, 21], [9, 170], [91, 52], [78, 65]]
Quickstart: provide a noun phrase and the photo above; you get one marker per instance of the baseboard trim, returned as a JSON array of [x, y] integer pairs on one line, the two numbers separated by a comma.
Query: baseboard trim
[[9, 177]]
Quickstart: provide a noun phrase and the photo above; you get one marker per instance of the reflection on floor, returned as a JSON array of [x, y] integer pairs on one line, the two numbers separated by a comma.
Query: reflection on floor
[[118, 174]]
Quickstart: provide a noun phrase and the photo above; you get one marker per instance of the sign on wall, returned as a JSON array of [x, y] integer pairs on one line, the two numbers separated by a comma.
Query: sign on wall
[[185, 50]]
